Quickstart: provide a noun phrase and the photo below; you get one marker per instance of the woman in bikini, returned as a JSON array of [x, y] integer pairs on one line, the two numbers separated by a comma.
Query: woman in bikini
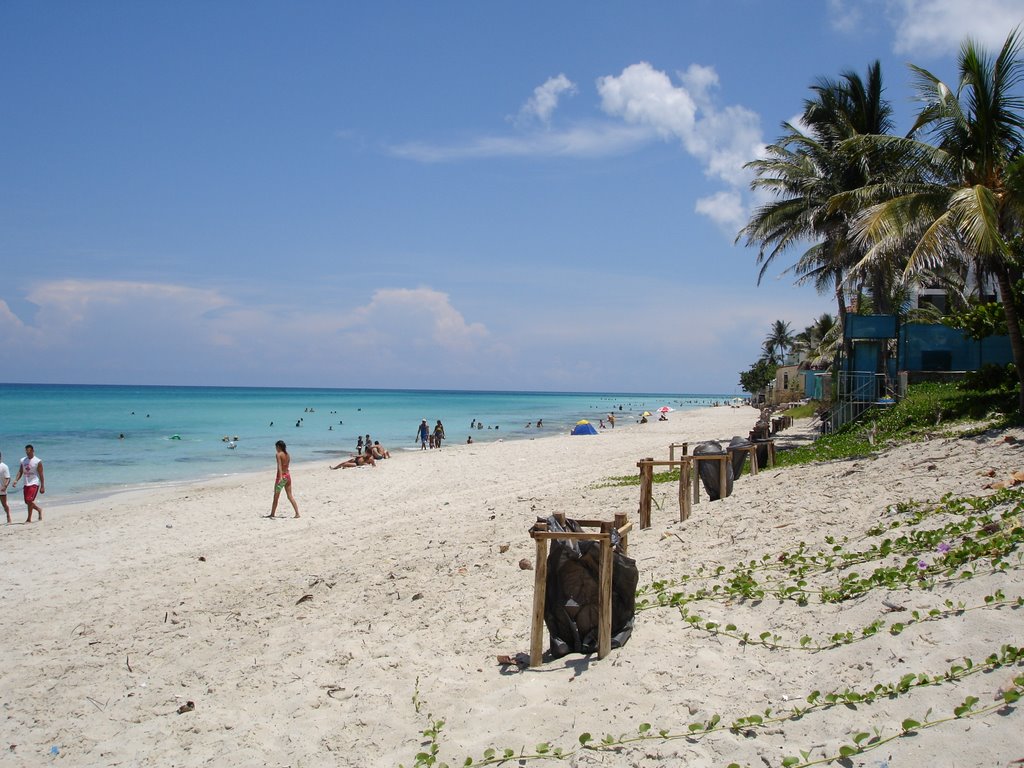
[[283, 482], [366, 458]]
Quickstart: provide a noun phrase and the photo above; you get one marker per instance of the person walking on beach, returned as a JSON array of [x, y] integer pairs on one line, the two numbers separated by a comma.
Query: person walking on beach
[[283, 482], [438, 434], [423, 432], [31, 468], [5, 480]]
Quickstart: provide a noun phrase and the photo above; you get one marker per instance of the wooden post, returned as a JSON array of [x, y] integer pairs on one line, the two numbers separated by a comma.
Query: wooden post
[[620, 524], [753, 459], [604, 596], [723, 488], [646, 485], [540, 586], [684, 490], [672, 450]]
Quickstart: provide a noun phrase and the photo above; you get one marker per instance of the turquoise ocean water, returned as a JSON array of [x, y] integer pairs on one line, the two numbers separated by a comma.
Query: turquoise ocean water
[[76, 429]]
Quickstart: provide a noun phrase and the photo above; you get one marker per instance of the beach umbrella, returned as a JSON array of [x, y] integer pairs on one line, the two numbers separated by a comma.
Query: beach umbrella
[[646, 413], [665, 409]]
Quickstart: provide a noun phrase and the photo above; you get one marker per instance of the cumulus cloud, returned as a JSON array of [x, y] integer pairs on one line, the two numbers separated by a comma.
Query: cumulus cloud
[[545, 98], [417, 317], [722, 139]]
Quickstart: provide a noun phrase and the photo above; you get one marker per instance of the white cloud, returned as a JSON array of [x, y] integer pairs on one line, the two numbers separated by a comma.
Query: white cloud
[[926, 25], [723, 139], [845, 16], [726, 209], [594, 140], [545, 98], [152, 332], [650, 106], [418, 317], [932, 27]]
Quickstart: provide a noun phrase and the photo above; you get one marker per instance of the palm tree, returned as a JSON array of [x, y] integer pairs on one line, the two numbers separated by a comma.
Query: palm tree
[[970, 202], [779, 342], [806, 169], [811, 340]]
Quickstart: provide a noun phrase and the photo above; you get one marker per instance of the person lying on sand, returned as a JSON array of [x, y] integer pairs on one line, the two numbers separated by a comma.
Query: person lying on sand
[[358, 461]]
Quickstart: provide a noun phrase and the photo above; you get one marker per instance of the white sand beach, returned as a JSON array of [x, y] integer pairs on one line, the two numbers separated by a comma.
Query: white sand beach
[[328, 640]]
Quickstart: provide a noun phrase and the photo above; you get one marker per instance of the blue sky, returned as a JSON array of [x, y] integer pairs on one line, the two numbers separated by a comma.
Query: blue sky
[[489, 195]]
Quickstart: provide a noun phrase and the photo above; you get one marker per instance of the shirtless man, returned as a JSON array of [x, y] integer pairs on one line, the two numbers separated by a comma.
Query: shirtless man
[[283, 482], [31, 468]]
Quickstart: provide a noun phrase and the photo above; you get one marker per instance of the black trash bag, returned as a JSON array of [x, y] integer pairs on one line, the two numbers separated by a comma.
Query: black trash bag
[[762, 452], [571, 606], [709, 471], [739, 449]]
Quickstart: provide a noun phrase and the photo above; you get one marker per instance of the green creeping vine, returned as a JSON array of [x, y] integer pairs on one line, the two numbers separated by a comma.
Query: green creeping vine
[[837, 639], [979, 540], [1007, 656], [984, 537]]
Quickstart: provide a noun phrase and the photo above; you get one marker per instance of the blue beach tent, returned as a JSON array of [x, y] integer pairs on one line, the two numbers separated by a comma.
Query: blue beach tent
[[584, 427]]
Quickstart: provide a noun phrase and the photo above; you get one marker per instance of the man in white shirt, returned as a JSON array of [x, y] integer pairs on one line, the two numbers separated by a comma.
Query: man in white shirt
[[31, 468], [5, 480]]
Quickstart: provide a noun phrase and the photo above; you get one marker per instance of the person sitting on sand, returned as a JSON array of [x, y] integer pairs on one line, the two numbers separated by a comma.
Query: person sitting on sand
[[379, 451]]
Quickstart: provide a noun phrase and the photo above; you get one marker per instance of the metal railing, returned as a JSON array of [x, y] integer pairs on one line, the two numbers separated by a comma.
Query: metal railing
[[855, 392]]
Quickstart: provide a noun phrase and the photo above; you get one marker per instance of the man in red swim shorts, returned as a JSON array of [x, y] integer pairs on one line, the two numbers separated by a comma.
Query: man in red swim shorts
[[31, 468]]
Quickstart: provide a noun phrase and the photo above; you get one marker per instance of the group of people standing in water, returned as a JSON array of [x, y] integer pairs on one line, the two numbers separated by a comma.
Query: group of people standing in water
[[428, 438]]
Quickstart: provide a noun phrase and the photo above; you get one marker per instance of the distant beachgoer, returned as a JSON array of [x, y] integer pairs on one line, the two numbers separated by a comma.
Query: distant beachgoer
[[121, 436], [422, 434], [5, 480], [643, 419], [283, 482], [31, 468], [438, 434], [540, 423], [469, 440], [359, 444], [528, 425], [611, 419], [472, 424], [601, 425]]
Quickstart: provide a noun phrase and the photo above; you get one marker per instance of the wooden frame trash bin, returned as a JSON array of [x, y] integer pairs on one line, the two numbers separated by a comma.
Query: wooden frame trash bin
[[541, 536]]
